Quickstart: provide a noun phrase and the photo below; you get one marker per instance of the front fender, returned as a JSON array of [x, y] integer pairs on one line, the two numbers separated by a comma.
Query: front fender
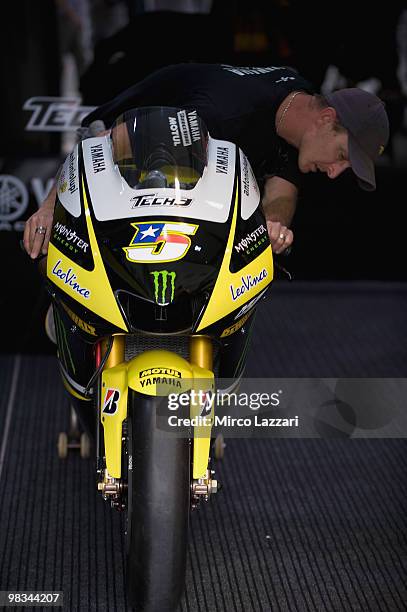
[[155, 373]]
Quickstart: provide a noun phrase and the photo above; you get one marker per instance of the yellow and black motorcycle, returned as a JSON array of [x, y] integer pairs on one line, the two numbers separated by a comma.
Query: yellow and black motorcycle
[[159, 253]]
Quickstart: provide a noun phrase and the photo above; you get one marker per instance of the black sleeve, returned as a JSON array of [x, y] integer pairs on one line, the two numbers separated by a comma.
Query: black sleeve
[[285, 165], [161, 88]]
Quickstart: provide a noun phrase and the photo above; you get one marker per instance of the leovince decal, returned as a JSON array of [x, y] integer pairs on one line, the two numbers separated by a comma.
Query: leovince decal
[[69, 278], [247, 282]]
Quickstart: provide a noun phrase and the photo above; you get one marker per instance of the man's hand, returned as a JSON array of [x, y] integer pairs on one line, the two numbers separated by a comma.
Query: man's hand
[[279, 201], [37, 229], [280, 236]]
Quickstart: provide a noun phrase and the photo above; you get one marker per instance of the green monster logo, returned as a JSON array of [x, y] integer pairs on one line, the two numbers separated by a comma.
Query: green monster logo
[[161, 278]]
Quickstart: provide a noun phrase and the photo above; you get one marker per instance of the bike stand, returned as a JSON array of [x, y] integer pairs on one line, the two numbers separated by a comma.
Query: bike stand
[[74, 439], [219, 447]]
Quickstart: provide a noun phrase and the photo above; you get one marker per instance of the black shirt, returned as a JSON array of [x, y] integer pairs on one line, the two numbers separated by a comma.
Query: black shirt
[[238, 104]]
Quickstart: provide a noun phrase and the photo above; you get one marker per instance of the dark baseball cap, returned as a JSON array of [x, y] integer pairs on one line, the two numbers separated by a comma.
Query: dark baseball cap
[[364, 116]]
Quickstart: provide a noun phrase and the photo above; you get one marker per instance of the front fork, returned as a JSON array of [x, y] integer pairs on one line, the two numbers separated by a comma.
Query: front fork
[[202, 484], [116, 356], [201, 354]]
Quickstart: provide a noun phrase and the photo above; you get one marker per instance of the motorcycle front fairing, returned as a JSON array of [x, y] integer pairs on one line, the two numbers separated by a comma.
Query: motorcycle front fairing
[[128, 256], [154, 237]]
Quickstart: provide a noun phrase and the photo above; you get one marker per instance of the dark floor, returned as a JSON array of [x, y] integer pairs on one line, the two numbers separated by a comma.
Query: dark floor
[[300, 524]]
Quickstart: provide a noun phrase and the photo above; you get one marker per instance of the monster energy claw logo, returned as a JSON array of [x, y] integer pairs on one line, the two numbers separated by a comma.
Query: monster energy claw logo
[[163, 280]]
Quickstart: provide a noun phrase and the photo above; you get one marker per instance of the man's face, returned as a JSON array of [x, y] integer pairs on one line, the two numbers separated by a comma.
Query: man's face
[[324, 149]]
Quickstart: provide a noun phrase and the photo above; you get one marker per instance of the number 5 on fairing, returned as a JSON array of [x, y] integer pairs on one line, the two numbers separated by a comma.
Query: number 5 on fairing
[[159, 241]]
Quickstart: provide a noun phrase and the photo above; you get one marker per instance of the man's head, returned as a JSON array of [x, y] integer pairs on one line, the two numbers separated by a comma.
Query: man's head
[[350, 129], [364, 116]]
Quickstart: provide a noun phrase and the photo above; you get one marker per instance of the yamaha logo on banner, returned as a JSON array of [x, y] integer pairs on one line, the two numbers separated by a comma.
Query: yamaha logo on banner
[[15, 198]]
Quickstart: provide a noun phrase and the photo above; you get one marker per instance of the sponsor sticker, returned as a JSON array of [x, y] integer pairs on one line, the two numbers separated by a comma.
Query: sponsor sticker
[[161, 372], [152, 200], [236, 326], [98, 158], [89, 329], [111, 401], [208, 398], [164, 286], [69, 238], [62, 183], [252, 241], [247, 282], [184, 128], [245, 176], [222, 160], [69, 277], [193, 123], [73, 183], [160, 379], [250, 304]]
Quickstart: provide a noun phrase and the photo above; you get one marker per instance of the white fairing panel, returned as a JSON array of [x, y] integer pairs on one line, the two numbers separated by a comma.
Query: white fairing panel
[[112, 198], [68, 184], [249, 188]]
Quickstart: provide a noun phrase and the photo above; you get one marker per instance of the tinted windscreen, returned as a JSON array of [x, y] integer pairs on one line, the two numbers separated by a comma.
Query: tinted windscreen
[[160, 147]]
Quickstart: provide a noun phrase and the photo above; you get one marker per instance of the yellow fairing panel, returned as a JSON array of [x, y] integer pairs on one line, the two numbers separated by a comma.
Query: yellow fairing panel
[[152, 373], [90, 288], [235, 289]]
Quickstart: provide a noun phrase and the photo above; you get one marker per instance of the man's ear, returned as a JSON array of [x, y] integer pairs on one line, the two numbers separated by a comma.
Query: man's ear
[[327, 115]]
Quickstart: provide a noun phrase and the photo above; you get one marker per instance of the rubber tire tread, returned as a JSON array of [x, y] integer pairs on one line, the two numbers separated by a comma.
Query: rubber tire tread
[[156, 560]]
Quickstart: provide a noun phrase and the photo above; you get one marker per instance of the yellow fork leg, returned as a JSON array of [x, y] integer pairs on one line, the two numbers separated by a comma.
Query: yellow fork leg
[[201, 354], [116, 355]]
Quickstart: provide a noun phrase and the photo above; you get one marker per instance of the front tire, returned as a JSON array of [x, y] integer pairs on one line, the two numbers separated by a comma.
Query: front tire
[[157, 510]]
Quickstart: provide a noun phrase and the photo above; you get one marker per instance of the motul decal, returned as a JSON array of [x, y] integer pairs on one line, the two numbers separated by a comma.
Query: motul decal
[[111, 401], [161, 372], [187, 128]]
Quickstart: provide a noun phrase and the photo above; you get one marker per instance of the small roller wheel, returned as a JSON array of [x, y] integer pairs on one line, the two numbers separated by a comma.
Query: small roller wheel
[[85, 446], [219, 447], [62, 445]]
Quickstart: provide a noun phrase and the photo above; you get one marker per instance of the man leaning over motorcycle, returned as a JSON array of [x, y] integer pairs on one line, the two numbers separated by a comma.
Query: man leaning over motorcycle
[[346, 129]]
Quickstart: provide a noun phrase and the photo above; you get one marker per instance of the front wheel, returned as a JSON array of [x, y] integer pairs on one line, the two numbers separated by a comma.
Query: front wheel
[[158, 506]]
